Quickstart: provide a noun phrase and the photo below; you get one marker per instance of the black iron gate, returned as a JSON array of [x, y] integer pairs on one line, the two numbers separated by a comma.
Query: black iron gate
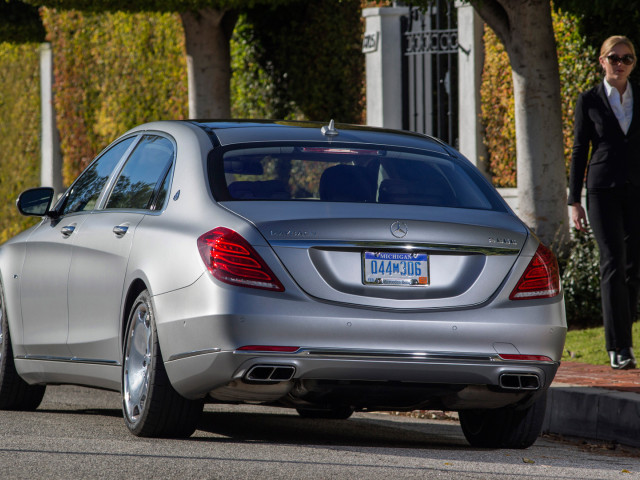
[[430, 71]]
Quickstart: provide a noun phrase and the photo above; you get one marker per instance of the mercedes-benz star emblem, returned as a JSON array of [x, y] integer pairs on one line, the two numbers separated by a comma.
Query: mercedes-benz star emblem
[[399, 229]]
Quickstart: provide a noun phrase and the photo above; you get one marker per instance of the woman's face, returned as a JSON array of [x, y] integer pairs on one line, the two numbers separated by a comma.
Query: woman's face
[[613, 62]]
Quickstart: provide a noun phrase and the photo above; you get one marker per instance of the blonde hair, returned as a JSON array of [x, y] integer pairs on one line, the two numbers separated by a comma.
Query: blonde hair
[[611, 42]]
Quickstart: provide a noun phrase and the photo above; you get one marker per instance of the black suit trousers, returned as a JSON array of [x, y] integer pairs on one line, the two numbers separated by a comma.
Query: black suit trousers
[[614, 215]]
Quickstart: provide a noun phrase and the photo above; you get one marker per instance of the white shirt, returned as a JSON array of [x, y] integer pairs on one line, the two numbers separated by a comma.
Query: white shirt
[[622, 110]]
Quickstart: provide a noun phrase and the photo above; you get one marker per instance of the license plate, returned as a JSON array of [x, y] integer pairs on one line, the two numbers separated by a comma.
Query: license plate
[[401, 269]]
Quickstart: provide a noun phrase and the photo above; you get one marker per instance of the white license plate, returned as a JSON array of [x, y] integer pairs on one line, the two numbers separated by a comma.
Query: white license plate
[[390, 268]]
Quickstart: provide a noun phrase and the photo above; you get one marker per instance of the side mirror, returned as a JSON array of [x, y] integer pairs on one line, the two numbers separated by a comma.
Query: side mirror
[[35, 202]]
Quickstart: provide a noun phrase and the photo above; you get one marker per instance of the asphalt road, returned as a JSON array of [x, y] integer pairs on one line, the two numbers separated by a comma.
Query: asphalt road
[[79, 433]]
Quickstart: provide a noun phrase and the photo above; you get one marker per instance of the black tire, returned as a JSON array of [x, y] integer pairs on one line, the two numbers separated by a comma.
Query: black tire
[[150, 405], [333, 413], [15, 393], [504, 427]]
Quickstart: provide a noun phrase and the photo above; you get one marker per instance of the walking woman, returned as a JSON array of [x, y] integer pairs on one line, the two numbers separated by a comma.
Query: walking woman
[[607, 122]]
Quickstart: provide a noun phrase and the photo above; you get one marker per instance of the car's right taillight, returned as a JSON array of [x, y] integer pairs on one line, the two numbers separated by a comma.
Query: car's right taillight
[[541, 279], [231, 259]]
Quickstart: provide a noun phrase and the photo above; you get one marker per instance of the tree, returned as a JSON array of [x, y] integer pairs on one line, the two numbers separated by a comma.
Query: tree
[[525, 29], [208, 25]]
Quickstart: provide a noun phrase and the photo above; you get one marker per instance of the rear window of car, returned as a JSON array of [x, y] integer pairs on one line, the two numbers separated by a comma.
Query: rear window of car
[[350, 174]]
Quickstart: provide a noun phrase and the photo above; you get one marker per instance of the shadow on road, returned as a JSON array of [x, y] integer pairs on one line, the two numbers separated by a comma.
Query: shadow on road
[[291, 429]]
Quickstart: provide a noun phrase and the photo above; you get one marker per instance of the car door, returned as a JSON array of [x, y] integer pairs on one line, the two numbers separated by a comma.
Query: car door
[[102, 246], [43, 293]]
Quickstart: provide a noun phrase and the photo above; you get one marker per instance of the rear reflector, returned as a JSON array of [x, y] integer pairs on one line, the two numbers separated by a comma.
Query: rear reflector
[[530, 358], [269, 348], [541, 279], [230, 258]]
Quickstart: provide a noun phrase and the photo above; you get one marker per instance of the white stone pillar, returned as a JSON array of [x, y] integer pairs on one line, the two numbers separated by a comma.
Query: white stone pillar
[[51, 159], [382, 46], [470, 62]]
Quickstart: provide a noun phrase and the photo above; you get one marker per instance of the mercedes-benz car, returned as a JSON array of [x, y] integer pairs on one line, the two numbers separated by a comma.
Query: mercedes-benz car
[[322, 267]]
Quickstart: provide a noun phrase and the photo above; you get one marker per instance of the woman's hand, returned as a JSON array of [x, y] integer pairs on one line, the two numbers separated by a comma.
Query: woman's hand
[[579, 217]]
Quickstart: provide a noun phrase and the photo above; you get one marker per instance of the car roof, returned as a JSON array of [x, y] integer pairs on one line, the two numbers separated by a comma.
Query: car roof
[[228, 132]]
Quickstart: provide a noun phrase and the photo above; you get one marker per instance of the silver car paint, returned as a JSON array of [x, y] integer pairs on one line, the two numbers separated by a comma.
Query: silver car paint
[[342, 335]]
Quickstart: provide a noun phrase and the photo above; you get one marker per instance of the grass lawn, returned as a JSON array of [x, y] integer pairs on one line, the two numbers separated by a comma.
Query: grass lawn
[[587, 346]]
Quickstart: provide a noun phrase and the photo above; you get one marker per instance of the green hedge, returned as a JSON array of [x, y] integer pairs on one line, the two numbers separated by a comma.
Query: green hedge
[[579, 71], [19, 131], [112, 72], [301, 60]]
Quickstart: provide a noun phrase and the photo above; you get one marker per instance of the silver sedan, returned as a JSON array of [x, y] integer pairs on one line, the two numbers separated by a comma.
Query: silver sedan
[[326, 268]]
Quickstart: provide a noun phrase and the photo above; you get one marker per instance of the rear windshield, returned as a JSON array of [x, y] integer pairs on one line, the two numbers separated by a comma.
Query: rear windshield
[[354, 175]]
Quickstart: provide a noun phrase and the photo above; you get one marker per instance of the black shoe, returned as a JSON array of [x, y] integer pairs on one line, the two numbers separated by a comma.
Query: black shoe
[[625, 359]]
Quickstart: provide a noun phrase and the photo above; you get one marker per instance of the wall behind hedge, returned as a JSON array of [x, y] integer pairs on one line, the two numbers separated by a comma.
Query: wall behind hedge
[[113, 71], [579, 71], [19, 131]]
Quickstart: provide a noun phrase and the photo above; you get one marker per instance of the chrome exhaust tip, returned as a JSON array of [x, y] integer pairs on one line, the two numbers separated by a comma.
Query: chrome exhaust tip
[[519, 381], [270, 373]]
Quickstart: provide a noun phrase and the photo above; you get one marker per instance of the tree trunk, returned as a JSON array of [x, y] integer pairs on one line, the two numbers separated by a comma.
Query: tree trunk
[[526, 30], [207, 34]]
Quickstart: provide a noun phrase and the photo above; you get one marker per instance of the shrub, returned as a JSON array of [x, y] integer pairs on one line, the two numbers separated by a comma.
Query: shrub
[[112, 72], [19, 131], [301, 60], [581, 282]]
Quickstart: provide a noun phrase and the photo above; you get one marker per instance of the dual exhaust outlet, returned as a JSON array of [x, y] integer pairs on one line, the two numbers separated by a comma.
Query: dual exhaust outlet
[[270, 373], [519, 381]]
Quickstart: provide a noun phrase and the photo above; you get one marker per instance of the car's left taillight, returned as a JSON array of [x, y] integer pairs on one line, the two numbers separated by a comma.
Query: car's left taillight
[[231, 259], [541, 279]]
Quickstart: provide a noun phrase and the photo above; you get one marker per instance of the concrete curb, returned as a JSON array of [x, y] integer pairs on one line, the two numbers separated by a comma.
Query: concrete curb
[[593, 413]]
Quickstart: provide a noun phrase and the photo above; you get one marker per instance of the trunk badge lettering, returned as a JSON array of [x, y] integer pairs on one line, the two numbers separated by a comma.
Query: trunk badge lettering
[[503, 241]]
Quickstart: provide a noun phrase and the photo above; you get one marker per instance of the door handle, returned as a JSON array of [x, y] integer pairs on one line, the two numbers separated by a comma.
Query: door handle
[[120, 230], [67, 230]]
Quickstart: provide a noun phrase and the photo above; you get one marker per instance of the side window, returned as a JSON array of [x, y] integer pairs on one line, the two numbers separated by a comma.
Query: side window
[[86, 190], [141, 180]]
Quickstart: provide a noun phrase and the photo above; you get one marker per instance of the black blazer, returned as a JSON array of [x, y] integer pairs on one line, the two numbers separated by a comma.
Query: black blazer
[[615, 157]]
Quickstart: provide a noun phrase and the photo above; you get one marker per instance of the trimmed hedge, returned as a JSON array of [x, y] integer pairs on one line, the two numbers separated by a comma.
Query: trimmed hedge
[[112, 72], [579, 71], [19, 131], [301, 60]]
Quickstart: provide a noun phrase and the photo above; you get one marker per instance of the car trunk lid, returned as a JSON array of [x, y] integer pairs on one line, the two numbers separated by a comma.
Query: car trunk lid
[[324, 247]]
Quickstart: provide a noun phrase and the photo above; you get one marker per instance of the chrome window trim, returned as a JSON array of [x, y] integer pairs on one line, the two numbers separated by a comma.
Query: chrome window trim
[[106, 192]]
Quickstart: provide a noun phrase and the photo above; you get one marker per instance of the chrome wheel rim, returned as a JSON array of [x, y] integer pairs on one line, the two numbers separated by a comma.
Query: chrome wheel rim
[[137, 363]]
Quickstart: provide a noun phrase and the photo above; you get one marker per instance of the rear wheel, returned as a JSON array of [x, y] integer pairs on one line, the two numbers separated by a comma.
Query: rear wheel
[[335, 413], [151, 406], [15, 393], [504, 427]]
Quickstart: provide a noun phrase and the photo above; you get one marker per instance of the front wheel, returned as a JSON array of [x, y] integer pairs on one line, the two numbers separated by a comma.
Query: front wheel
[[504, 427], [151, 406], [15, 393]]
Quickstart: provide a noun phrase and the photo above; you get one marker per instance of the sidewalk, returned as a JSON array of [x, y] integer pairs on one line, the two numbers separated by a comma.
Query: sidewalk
[[595, 402]]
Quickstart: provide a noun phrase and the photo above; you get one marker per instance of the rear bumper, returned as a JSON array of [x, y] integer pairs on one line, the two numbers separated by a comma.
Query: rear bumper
[[202, 330], [445, 380]]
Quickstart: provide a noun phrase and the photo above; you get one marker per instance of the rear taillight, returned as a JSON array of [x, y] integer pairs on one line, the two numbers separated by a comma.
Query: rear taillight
[[230, 258], [527, 358], [541, 279]]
